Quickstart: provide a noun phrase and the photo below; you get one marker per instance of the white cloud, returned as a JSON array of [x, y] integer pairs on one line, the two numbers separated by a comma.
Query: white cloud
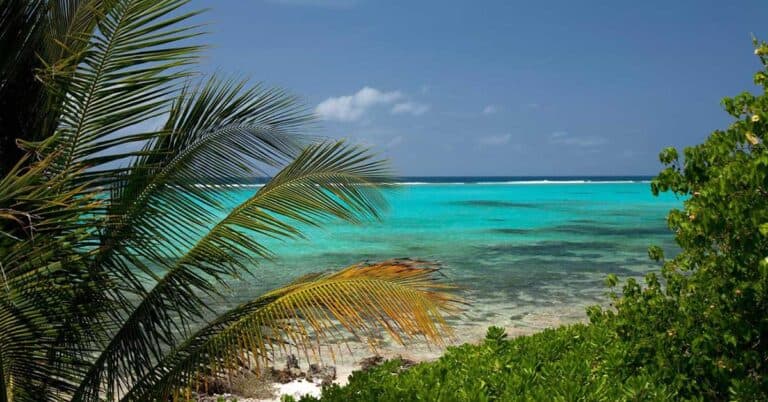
[[495, 139], [413, 108], [395, 141], [490, 109], [317, 3], [564, 138], [353, 107]]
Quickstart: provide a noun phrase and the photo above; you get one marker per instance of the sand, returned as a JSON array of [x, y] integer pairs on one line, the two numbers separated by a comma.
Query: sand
[[348, 358]]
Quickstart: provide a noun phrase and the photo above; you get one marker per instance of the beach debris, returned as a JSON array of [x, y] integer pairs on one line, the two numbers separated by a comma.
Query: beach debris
[[406, 363], [318, 374], [290, 372], [321, 374], [373, 361], [291, 362], [240, 385], [369, 362]]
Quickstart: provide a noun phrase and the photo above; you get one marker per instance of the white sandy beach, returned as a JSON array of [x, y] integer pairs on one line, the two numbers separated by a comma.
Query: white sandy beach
[[348, 358]]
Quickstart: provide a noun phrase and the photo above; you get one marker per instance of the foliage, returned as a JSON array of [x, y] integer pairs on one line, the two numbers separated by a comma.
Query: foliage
[[701, 325], [112, 240], [569, 363]]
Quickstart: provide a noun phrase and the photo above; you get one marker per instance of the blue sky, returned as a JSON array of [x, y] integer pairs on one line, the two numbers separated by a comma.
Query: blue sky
[[500, 88]]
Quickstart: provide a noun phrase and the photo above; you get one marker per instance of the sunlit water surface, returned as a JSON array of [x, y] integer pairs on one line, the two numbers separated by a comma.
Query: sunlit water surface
[[531, 254]]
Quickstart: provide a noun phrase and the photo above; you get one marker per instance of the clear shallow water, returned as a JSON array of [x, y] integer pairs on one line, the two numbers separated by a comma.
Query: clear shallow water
[[531, 253]]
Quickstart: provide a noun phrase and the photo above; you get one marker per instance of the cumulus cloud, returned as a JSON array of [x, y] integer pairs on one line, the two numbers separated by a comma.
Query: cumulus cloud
[[413, 108], [490, 109], [353, 107], [495, 139], [565, 138]]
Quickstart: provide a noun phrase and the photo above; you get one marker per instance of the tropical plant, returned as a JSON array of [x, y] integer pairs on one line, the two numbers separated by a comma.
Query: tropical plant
[[702, 325], [114, 237], [576, 362]]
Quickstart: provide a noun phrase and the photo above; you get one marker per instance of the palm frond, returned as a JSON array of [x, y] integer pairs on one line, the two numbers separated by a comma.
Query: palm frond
[[49, 309], [400, 297], [39, 40], [110, 238], [326, 181], [131, 66], [216, 133]]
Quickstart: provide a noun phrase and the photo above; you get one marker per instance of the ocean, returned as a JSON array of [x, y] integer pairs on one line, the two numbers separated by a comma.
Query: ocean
[[528, 252]]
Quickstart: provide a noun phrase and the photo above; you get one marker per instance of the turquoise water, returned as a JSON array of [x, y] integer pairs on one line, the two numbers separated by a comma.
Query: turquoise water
[[529, 254]]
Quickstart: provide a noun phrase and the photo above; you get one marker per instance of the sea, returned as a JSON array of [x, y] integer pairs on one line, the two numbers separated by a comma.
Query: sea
[[527, 252]]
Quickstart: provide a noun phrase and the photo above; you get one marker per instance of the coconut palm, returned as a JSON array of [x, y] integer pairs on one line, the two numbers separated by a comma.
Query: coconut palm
[[114, 236]]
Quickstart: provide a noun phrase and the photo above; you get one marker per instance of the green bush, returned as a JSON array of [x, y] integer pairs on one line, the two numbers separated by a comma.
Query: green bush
[[701, 324], [569, 363]]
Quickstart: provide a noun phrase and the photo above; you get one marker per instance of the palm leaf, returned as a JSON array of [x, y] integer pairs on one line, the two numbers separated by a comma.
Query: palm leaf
[[124, 72], [326, 181], [401, 297], [41, 43], [107, 232], [49, 310], [131, 66], [215, 132]]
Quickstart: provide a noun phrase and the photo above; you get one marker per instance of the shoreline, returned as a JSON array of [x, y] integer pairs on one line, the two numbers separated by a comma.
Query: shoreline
[[346, 359]]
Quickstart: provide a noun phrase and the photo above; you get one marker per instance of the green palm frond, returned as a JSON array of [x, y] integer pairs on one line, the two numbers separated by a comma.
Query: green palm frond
[[400, 297], [110, 238], [215, 135], [54, 298], [124, 72], [217, 132], [48, 310], [329, 180], [41, 43], [131, 66]]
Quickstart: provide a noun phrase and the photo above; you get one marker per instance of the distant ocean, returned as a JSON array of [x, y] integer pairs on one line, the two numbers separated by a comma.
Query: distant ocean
[[531, 252]]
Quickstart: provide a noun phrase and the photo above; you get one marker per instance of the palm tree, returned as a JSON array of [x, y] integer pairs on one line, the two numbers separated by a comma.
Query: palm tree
[[112, 241]]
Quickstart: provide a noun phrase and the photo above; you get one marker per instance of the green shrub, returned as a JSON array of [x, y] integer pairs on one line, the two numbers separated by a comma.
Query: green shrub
[[568, 363], [703, 331]]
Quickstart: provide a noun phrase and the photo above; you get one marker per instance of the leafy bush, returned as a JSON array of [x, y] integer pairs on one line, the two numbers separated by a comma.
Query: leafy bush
[[568, 363], [703, 331]]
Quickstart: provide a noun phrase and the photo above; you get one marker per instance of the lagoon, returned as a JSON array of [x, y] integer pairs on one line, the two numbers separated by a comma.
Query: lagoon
[[529, 253]]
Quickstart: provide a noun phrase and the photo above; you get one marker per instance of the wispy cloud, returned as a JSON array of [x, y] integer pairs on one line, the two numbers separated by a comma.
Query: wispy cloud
[[565, 138], [490, 109], [413, 108], [495, 139], [353, 107], [395, 141], [317, 3]]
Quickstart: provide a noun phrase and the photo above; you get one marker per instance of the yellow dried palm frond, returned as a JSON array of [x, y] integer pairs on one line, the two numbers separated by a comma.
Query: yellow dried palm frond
[[403, 298]]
